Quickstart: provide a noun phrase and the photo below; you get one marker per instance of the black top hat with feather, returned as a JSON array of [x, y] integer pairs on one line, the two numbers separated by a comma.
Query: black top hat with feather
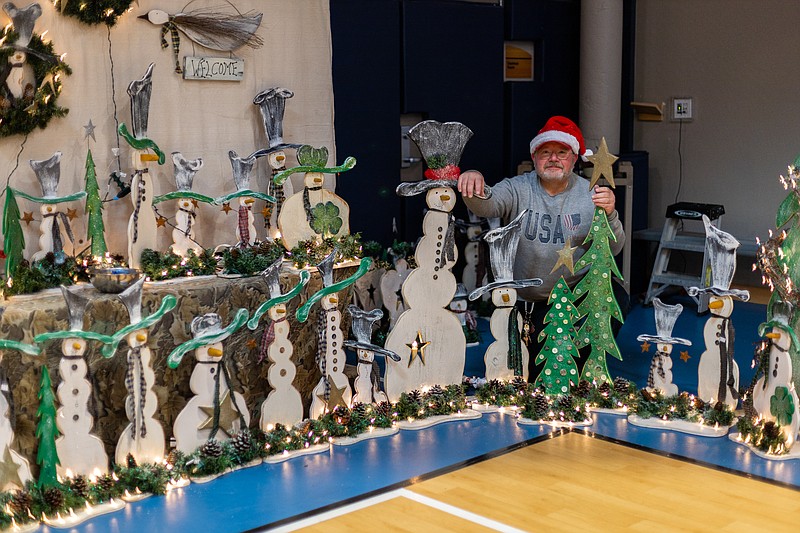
[[441, 145], [362, 329]]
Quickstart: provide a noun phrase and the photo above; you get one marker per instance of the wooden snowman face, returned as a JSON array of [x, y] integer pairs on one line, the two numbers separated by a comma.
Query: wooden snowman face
[[73, 347], [458, 305], [277, 159], [330, 302], [473, 232], [721, 305], [246, 201], [210, 353], [137, 338], [505, 297], [46, 209], [313, 179], [365, 355], [277, 312], [186, 204], [441, 198], [779, 368], [664, 348]]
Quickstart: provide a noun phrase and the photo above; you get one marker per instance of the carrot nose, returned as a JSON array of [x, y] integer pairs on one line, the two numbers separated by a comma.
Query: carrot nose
[[141, 337], [505, 298], [76, 346], [716, 304], [445, 197], [215, 352], [773, 335]]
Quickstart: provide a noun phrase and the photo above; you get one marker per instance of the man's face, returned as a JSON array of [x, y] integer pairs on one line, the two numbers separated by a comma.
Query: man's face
[[554, 161]]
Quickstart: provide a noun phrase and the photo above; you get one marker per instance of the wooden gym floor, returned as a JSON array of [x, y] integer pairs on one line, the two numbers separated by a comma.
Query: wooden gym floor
[[572, 482]]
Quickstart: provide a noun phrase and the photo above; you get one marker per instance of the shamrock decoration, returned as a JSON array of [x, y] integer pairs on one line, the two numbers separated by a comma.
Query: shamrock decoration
[[781, 406], [326, 220], [312, 157]]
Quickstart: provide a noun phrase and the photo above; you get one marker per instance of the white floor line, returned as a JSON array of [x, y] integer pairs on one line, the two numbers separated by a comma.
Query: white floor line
[[456, 511], [311, 520]]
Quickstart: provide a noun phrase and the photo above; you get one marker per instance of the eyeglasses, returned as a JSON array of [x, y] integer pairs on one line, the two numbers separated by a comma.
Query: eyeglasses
[[547, 154]]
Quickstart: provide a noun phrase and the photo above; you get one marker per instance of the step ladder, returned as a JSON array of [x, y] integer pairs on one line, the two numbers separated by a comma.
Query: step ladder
[[672, 238]]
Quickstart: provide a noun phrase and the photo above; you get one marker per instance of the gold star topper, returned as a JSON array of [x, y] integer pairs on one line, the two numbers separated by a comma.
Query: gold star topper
[[335, 397], [685, 356], [417, 347], [602, 161], [645, 347], [227, 207], [565, 257], [27, 218], [227, 415]]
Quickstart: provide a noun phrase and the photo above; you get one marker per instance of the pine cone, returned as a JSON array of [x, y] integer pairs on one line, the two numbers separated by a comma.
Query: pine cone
[[621, 385], [583, 389], [211, 448], [53, 497], [519, 384], [130, 461], [175, 456], [436, 390], [385, 409], [604, 388], [106, 482], [21, 502], [771, 430], [699, 404], [415, 396], [241, 442], [540, 403], [342, 415], [360, 410], [565, 402], [80, 486]]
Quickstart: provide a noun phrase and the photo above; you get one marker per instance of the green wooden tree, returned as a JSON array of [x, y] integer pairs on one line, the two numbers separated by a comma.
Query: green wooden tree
[[95, 229], [13, 239], [46, 432], [558, 353], [598, 303]]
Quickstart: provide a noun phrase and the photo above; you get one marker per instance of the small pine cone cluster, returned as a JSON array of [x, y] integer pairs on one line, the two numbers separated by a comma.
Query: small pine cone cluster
[[604, 388], [80, 486], [106, 482], [241, 442], [342, 415], [175, 456], [519, 383], [211, 448], [21, 502], [540, 404], [565, 402], [583, 389], [621, 385], [385, 409], [53, 497], [360, 410]]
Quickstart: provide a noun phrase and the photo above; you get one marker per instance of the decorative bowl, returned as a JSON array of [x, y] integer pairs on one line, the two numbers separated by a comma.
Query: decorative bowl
[[114, 279]]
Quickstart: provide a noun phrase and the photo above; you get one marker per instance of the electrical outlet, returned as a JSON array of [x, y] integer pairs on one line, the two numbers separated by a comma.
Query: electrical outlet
[[682, 109]]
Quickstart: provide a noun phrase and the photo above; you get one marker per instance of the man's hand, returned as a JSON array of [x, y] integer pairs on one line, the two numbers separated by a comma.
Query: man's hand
[[601, 196], [470, 184]]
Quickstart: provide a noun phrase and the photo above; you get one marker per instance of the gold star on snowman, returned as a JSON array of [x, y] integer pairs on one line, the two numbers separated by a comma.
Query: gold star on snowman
[[335, 396], [417, 347], [602, 161], [565, 257], [645, 347], [227, 415]]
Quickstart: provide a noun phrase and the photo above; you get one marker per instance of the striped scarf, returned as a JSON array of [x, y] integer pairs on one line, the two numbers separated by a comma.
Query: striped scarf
[[172, 29], [307, 203], [322, 348], [58, 245], [189, 220], [131, 405], [140, 196], [244, 225], [223, 373], [267, 339], [514, 343], [656, 366]]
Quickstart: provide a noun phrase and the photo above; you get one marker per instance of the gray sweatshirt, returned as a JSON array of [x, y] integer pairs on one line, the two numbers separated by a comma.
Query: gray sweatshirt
[[545, 230]]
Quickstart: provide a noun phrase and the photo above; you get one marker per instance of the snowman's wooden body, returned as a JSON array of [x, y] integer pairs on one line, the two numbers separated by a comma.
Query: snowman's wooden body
[[469, 276], [207, 371], [367, 289], [391, 285], [143, 438], [334, 360], [79, 451], [292, 219], [283, 405], [715, 333], [366, 387], [249, 239], [496, 357], [779, 375], [183, 236], [49, 213], [142, 225], [663, 384], [440, 344]]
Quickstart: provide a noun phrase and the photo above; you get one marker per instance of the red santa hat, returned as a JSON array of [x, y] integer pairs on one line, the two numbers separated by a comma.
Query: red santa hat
[[561, 130]]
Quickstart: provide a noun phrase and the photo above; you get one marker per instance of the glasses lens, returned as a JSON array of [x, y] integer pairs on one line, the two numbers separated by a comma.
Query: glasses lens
[[560, 154]]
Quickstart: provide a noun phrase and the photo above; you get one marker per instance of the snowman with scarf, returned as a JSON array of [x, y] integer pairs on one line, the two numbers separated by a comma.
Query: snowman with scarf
[[660, 376], [366, 384]]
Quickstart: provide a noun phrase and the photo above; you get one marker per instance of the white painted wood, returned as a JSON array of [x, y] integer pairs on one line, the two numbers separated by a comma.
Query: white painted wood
[[144, 224], [283, 405], [367, 289], [335, 360], [665, 384], [366, 390], [427, 291], [150, 448], [469, 276], [779, 375], [213, 68], [496, 357], [79, 450], [46, 245], [708, 369], [183, 236], [422, 423], [292, 219], [391, 285], [6, 438], [683, 426], [206, 372]]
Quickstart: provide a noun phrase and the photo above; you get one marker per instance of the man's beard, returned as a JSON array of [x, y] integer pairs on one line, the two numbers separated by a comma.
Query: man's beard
[[554, 173]]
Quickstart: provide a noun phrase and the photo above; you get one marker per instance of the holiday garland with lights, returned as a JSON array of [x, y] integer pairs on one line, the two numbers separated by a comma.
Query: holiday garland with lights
[[94, 11]]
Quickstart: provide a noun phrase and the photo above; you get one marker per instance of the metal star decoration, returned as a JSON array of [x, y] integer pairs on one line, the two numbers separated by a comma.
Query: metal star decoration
[[9, 471], [645, 346], [417, 347], [565, 257], [685, 356], [266, 212], [161, 222], [602, 161], [335, 397], [252, 344], [227, 415], [27, 218], [89, 131], [72, 214], [227, 207]]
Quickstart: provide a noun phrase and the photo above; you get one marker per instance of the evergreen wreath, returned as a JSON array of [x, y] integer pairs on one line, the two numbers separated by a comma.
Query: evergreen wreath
[[22, 115], [94, 11]]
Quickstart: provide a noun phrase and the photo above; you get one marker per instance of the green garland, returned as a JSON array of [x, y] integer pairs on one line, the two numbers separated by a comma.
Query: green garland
[[160, 266], [623, 394], [683, 407], [94, 11], [23, 115], [46, 273], [765, 436], [436, 401], [312, 252], [251, 261]]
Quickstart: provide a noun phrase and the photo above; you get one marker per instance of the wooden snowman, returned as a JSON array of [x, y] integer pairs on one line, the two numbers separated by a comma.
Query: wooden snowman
[[315, 212], [272, 105], [428, 336], [214, 408], [367, 290], [20, 78], [474, 273], [142, 225], [460, 307], [80, 451], [366, 384], [283, 405], [717, 372], [774, 394], [507, 357], [391, 288], [143, 438], [183, 236], [333, 387], [15, 470], [659, 378], [242, 176], [55, 224]]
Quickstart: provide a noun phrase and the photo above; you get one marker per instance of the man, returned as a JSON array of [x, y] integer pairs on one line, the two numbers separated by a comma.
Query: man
[[561, 210]]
